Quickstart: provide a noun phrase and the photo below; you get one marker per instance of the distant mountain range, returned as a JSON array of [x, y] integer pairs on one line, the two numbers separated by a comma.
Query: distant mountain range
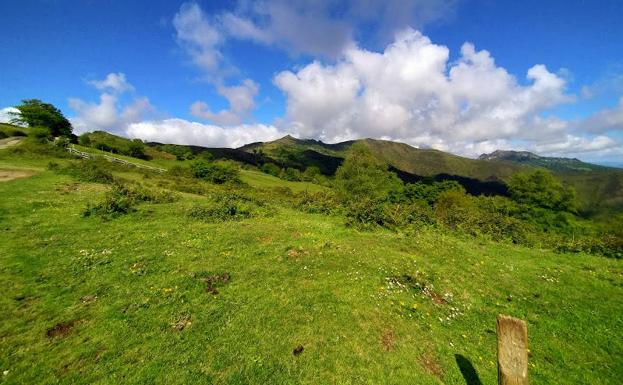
[[552, 163]]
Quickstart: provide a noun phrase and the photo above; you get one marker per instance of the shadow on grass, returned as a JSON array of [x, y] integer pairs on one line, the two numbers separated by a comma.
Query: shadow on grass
[[467, 370]]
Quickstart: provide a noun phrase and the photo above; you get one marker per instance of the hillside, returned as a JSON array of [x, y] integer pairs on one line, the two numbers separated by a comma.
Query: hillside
[[479, 176], [272, 291]]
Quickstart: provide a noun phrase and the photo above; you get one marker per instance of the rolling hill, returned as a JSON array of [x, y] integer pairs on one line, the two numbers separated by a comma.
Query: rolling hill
[[599, 188]]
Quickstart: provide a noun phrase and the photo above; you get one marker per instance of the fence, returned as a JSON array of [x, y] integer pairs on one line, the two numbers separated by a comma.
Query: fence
[[88, 155]]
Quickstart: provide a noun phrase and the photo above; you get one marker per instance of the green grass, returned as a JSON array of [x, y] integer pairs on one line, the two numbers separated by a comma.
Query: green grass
[[121, 287], [261, 180]]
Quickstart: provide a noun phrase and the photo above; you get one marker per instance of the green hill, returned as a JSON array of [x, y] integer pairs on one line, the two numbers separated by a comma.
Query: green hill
[[269, 289]]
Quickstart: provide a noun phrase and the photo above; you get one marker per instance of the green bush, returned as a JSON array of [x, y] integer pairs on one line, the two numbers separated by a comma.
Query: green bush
[[215, 172], [271, 169], [291, 174], [540, 188], [88, 170], [317, 203], [39, 134], [228, 207], [122, 199], [3, 135], [363, 177]]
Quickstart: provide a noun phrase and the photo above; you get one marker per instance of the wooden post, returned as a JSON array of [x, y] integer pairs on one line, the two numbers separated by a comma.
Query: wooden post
[[512, 351]]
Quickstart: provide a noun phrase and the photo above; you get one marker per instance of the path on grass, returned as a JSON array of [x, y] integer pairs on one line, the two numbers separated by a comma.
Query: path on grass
[[11, 141]]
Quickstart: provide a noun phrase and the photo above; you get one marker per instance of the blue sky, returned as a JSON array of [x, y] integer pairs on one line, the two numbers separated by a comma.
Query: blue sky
[[225, 73]]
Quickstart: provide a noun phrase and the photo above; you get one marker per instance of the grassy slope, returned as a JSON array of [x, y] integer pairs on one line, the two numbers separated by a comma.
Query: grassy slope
[[261, 180], [297, 279]]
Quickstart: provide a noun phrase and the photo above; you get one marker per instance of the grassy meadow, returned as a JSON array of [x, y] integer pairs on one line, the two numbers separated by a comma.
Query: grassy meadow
[[279, 296]]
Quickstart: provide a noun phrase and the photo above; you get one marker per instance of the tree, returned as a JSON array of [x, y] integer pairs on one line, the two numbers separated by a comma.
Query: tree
[[136, 149], [363, 177], [540, 188], [34, 112]]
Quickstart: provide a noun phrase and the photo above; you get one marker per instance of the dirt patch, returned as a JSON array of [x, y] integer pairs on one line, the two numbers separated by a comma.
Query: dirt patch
[[9, 142], [213, 281], [61, 329], [88, 298], [67, 188], [387, 340], [7, 175], [430, 363], [182, 322], [298, 350]]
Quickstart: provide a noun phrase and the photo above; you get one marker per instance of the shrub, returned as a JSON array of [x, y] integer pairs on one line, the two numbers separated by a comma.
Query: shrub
[[3, 135], [362, 177], [88, 171], [215, 172], [291, 174], [117, 201], [84, 140], [122, 198], [317, 203], [271, 169], [39, 134], [228, 207]]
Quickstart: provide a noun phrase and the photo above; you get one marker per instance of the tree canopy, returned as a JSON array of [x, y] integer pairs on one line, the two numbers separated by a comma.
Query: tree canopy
[[541, 189], [35, 113], [362, 176]]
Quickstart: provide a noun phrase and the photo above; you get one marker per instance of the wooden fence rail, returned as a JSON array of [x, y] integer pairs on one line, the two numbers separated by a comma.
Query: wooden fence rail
[[87, 155]]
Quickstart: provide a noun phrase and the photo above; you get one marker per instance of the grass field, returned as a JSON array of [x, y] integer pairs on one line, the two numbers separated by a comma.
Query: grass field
[[158, 297]]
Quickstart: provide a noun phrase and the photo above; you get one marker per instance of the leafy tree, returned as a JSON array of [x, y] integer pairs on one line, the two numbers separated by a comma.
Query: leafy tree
[[540, 188], [364, 177], [84, 139], [36, 113], [136, 149]]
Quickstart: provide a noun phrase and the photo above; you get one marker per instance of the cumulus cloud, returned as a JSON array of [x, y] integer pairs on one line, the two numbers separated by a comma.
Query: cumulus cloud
[[108, 114], [5, 114], [114, 82], [412, 93], [200, 36], [241, 100], [327, 27], [608, 119], [180, 131]]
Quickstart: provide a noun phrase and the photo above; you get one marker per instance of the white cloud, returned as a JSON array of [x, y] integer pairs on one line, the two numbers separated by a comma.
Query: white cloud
[[608, 119], [200, 36], [411, 92], [327, 27], [108, 114], [180, 131], [5, 114], [114, 82], [241, 103]]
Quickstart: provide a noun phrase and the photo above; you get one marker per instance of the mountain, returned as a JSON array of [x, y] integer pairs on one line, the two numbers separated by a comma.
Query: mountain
[[599, 188], [421, 162], [551, 163]]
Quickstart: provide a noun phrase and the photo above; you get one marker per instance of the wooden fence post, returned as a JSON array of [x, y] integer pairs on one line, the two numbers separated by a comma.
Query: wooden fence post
[[512, 351]]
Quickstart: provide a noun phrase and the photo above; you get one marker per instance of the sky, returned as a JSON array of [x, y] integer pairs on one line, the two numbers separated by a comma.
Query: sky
[[463, 76]]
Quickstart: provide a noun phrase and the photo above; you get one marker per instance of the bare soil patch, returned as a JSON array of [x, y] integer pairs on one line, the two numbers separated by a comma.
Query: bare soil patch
[[7, 175], [61, 329]]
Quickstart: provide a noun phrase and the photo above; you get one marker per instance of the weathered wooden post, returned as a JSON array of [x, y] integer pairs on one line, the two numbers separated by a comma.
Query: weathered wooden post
[[512, 351]]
